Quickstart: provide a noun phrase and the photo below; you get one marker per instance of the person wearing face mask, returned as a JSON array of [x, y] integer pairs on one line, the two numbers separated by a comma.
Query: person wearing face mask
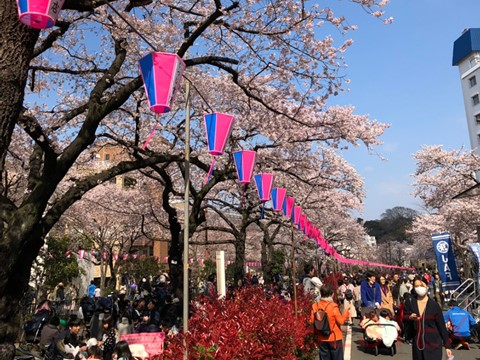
[[428, 323]]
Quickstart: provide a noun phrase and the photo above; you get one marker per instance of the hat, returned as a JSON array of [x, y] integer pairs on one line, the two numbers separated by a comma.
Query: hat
[[316, 281], [162, 279], [91, 342], [138, 351]]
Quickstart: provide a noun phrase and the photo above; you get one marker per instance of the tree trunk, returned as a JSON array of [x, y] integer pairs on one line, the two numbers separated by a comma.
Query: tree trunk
[[15, 274], [17, 43], [21, 238], [266, 262], [239, 265]]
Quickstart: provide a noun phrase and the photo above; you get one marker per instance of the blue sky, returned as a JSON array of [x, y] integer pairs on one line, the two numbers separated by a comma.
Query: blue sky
[[402, 74]]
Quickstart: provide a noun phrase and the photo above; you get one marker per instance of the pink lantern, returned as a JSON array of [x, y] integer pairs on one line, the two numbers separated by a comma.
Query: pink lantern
[[278, 198], [244, 163], [161, 73], [264, 184], [39, 14], [218, 127], [301, 223], [81, 254], [287, 206], [115, 257], [307, 228], [297, 212]]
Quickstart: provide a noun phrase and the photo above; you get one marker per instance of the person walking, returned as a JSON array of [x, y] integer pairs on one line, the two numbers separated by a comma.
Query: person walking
[[306, 279], [91, 289], [387, 296], [330, 347], [438, 293], [370, 293], [429, 326]]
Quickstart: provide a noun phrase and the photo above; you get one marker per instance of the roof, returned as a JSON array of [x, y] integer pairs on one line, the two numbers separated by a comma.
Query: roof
[[471, 191], [467, 43]]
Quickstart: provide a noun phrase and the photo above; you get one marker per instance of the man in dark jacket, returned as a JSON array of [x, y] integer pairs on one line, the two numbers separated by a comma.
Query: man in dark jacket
[[64, 344]]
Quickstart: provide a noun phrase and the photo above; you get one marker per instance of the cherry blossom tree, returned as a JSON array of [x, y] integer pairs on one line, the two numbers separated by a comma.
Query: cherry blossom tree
[[109, 220], [84, 90], [440, 176]]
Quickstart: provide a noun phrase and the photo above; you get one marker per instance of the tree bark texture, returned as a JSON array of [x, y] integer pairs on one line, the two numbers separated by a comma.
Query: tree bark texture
[[16, 256], [16, 47]]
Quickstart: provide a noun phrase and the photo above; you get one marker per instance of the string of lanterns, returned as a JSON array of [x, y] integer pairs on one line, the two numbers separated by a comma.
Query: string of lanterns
[[162, 74]]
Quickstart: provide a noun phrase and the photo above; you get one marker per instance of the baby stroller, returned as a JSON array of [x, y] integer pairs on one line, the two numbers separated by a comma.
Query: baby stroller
[[376, 343], [33, 327]]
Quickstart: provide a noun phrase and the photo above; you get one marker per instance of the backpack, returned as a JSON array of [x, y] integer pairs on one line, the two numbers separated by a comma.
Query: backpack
[[321, 322], [349, 294]]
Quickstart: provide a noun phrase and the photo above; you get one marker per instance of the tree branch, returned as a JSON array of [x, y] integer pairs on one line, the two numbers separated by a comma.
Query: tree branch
[[203, 26], [32, 127], [82, 186]]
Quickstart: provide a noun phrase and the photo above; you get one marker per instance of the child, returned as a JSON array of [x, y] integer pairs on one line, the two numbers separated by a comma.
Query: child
[[371, 327]]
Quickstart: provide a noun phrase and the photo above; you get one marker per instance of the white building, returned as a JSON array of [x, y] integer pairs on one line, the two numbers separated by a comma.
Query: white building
[[466, 55], [370, 241]]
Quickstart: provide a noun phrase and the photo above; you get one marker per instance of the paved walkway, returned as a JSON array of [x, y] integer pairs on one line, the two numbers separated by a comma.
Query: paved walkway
[[355, 349]]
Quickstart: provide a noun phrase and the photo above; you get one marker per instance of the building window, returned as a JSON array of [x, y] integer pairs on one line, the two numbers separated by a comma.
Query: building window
[[107, 156], [475, 99], [472, 81], [477, 118]]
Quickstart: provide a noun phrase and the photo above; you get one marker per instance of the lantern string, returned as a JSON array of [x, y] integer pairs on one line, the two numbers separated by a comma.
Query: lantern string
[[209, 174], [149, 137], [133, 28], [262, 212]]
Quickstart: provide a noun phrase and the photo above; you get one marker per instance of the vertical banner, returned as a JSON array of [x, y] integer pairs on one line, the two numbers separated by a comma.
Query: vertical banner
[[475, 249], [447, 267]]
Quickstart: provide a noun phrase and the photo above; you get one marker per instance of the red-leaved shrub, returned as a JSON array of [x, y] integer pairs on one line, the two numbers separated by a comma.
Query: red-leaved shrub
[[250, 325]]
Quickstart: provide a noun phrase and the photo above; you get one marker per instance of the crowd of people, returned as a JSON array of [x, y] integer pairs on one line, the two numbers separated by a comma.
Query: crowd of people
[[390, 306], [413, 305], [94, 330]]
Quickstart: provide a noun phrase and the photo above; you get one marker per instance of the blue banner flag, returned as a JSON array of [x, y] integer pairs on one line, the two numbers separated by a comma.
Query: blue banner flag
[[475, 249], [447, 267]]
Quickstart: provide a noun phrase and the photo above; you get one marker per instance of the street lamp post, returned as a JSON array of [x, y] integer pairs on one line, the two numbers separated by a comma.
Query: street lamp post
[[186, 219]]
